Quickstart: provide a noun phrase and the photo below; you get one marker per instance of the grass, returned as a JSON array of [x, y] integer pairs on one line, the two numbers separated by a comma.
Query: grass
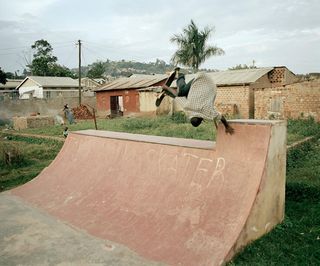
[[175, 126], [30, 157], [297, 240], [294, 242]]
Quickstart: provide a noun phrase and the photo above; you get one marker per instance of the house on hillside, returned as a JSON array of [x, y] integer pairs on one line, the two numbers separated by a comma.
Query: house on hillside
[[121, 96], [101, 81], [89, 85], [236, 88], [48, 87], [8, 90]]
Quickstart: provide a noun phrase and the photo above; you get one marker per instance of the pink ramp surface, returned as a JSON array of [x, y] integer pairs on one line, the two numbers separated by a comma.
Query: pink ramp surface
[[180, 202]]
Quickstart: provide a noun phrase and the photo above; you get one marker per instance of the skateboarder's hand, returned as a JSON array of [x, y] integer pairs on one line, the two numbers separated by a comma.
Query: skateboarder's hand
[[229, 130]]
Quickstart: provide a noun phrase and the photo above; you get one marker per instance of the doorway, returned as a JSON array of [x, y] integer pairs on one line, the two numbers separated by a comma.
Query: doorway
[[116, 106]]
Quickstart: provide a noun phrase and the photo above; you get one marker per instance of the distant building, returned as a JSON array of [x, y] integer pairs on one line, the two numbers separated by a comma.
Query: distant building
[[48, 87], [121, 96], [8, 90], [101, 81], [236, 88]]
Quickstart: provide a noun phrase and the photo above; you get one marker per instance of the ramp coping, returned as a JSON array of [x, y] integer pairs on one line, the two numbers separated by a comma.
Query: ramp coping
[[182, 142], [189, 143]]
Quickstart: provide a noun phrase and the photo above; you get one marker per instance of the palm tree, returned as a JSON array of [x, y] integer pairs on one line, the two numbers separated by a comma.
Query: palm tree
[[193, 49]]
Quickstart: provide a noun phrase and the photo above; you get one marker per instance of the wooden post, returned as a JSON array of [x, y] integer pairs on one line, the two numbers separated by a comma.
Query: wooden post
[[79, 43]]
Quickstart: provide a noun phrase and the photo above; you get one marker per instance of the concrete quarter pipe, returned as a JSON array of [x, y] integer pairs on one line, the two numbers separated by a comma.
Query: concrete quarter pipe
[[170, 201]]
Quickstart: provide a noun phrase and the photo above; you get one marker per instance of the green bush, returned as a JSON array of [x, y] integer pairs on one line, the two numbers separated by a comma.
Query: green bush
[[304, 127], [12, 156], [300, 191], [297, 153]]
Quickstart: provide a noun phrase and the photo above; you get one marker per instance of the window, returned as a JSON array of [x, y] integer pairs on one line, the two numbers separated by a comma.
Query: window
[[47, 94]]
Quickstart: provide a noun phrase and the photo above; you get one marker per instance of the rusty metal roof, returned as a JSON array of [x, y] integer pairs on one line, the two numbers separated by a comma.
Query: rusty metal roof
[[133, 82], [235, 77], [227, 77]]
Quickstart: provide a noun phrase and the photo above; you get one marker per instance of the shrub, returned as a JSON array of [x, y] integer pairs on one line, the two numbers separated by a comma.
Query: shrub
[[297, 191], [12, 156]]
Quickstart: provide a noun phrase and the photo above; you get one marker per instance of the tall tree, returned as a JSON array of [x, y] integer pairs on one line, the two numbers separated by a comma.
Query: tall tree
[[97, 70], [192, 46], [3, 77], [61, 71], [43, 58]]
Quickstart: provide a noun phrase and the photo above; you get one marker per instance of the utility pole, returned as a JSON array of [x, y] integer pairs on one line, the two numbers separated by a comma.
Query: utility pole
[[79, 43]]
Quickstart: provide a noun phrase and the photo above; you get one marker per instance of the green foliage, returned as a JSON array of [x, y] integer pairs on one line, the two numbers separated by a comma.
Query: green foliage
[[296, 154], [302, 191], [31, 155], [44, 63], [3, 77], [11, 156], [192, 47], [125, 68], [57, 70], [96, 70], [304, 127], [139, 123], [179, 117], [42, 58], [244, 66]]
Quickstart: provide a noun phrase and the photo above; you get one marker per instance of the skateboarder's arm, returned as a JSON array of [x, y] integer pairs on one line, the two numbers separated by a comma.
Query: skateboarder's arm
[[170, 90], [228, 128]]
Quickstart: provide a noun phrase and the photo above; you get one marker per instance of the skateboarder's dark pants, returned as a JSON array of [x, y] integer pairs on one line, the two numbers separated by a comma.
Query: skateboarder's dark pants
[[183, 87]]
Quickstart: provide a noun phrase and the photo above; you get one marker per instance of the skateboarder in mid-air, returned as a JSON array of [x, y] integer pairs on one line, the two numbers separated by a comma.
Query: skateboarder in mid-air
[[196, 97]]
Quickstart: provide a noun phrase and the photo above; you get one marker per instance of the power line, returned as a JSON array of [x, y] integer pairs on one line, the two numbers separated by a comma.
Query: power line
[[29, 46]]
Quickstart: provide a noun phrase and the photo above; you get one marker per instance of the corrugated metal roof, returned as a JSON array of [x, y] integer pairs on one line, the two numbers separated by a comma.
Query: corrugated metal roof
[[53, 81], [233, 77], [228, 77], [11, 84], [133, 82]]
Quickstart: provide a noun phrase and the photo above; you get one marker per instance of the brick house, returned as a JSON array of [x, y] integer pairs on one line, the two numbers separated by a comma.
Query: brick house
[[121, 96], [297, 100], [236, 88]]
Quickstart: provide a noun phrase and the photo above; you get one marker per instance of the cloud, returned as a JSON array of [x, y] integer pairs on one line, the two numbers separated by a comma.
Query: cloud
[[264, 31], [14, 9]]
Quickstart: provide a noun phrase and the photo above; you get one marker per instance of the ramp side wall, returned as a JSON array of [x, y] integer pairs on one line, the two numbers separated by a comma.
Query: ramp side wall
[[268, 208]]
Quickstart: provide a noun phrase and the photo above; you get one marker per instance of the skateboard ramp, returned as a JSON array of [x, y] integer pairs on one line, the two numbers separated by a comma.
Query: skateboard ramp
[[171, 201]]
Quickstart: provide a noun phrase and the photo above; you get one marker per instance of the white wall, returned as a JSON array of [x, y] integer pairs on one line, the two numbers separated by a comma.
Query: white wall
[[28, 92]]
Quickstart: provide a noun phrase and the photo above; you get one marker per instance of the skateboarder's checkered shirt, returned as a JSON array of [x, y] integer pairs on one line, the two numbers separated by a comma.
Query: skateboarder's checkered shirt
[[201, 97]]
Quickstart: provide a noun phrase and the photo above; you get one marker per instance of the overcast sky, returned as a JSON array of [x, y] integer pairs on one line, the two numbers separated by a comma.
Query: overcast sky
[[272, 33]]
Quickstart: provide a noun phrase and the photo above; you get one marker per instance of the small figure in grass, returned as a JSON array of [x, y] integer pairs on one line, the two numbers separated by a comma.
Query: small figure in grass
[[197, 98], [65, 132]]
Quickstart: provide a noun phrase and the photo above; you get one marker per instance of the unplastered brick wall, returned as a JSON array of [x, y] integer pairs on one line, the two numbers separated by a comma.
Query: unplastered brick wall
[[277, 75], [234, 100], [291, 101]]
